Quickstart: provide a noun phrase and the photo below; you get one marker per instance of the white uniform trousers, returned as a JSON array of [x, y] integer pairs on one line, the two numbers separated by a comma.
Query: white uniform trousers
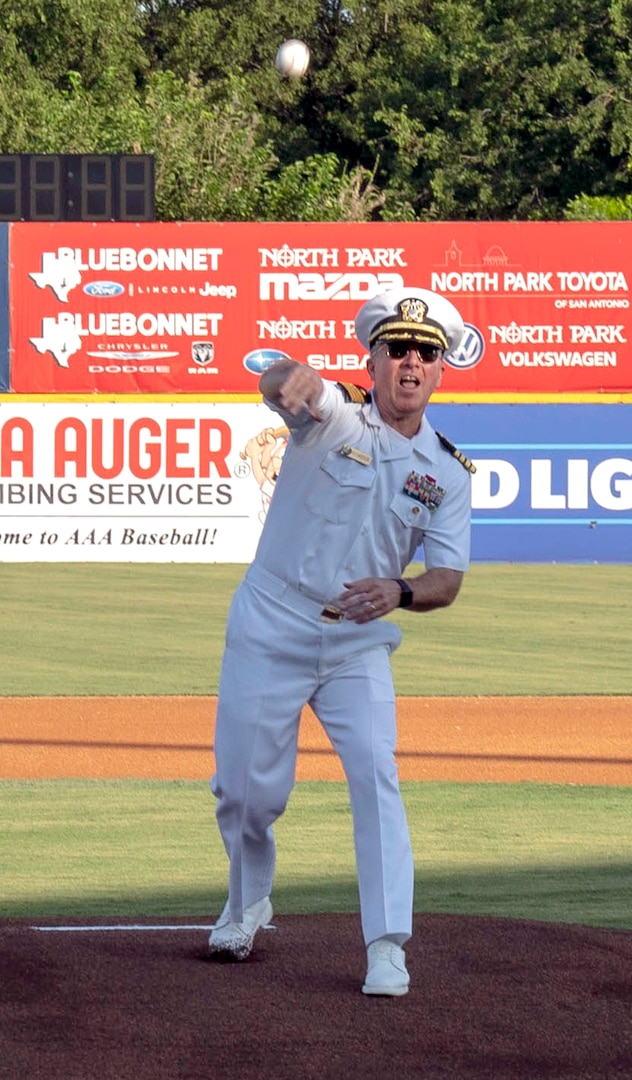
[[279, 656]]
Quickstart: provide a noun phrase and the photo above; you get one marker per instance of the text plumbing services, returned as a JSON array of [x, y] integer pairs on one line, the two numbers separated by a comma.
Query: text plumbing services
[[159, 483]]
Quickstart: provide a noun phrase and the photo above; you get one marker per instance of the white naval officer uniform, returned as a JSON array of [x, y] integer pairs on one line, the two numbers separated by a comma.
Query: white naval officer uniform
[[339, 513]]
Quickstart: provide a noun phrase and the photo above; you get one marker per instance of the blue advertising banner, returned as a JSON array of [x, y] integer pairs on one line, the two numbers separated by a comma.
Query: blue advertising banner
[[553, 483], [4, 306]]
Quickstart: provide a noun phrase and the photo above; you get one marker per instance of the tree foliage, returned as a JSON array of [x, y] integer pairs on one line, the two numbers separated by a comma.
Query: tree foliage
[[599, 208], [411, 109]]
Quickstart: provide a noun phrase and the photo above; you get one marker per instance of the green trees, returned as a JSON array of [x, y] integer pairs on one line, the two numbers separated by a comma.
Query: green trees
[[411, 110]]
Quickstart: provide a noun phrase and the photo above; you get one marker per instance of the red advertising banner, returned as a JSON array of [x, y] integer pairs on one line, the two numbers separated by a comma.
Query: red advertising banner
[[203, 308]]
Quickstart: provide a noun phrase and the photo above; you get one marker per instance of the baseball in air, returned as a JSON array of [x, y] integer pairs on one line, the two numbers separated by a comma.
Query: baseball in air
[[292, 58]]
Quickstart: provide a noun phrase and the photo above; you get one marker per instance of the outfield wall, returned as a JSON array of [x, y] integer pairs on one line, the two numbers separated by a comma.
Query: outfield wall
[[4, 307], [130, 425], [180, 481], [200, 307]]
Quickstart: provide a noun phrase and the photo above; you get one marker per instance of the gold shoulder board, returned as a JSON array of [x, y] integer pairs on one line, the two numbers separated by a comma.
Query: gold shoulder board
[[357, 394], [458, 454]]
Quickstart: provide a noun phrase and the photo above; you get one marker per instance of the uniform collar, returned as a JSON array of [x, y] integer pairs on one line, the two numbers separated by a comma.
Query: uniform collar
[[394, 446]]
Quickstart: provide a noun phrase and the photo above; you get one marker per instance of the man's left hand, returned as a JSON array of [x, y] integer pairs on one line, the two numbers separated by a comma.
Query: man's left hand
[[369, 598]]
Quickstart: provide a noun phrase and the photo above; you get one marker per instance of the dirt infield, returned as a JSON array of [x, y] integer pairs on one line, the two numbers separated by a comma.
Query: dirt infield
[[580, 740], [490, 999]]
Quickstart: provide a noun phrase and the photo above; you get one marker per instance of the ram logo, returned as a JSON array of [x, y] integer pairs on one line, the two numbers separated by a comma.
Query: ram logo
[[203, 352]]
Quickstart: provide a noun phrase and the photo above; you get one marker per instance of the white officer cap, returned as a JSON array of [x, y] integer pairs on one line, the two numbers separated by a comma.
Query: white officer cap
[[410, 313]]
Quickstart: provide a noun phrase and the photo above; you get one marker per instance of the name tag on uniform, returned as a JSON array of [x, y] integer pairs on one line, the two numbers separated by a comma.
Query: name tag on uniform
[[424, 489], [356, 455]]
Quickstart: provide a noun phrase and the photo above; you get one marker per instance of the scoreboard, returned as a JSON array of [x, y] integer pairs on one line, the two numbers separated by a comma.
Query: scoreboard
[[77, 187]]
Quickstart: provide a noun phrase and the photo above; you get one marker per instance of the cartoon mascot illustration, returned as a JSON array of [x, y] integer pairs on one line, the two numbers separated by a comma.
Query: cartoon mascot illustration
[[265, 453]]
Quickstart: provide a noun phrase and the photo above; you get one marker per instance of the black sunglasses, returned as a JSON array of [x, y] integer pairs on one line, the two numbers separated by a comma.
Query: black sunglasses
[[428, 354]]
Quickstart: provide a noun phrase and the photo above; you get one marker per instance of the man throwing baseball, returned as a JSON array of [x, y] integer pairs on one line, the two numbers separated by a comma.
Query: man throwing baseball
[[365, 482]]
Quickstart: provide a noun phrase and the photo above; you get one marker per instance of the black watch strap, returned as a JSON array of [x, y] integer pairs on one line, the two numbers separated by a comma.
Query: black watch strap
[[406, 598]]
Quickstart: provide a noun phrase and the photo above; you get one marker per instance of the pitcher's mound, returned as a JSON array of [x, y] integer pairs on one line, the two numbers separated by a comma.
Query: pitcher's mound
[[489, 998]]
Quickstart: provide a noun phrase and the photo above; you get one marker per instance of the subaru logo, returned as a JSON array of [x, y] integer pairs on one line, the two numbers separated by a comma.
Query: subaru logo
[[259, 360], [103, 288]]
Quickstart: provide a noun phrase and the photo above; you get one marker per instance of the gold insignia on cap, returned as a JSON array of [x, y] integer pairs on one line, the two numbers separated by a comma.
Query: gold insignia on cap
[[413, 310], [410, 322]]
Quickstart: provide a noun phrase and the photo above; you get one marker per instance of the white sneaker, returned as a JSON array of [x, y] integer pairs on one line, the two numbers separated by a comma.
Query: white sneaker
[[237, 939], [386, 972]]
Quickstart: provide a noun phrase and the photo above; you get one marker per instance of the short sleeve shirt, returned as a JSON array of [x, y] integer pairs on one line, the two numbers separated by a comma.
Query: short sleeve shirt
[[356, 499]]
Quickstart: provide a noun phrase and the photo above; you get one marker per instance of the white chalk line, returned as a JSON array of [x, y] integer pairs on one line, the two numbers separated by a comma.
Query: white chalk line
[[122, 926], [127, 926]]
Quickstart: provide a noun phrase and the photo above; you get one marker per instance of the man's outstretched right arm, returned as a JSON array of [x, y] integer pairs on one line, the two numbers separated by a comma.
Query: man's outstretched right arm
[[293, 386]]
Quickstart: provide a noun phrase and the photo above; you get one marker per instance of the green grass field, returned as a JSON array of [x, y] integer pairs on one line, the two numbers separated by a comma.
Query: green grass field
[[158, 629], [86, 848], [139, 848]]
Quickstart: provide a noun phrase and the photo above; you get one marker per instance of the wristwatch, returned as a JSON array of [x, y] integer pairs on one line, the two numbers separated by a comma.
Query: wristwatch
[[406, 598]]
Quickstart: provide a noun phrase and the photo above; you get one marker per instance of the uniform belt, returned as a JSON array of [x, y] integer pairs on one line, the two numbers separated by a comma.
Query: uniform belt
[[277, 589]]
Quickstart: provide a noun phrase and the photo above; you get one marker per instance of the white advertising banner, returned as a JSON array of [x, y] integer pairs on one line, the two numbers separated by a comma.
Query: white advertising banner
[[146, 482]]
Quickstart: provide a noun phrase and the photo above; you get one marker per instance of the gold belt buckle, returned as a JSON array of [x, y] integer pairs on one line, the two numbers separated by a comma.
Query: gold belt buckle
[[331, 614]]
